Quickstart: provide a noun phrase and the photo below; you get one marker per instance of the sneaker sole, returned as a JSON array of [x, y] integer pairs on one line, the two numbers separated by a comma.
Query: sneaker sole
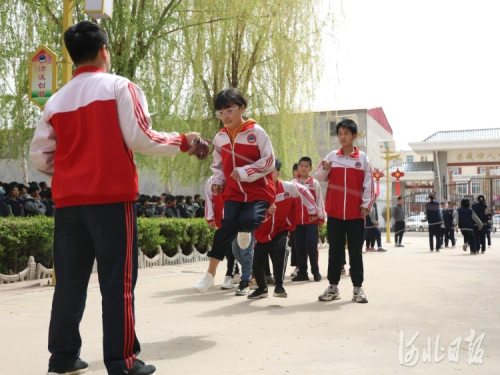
[[265, 295], [362, 301], [241, 294], [328, 299], [77, 372], [280, 295], [227, 287]]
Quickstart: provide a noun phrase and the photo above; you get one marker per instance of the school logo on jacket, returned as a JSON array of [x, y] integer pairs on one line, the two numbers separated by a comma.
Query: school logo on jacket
[[251, 138], [358, 164], [286, 195]]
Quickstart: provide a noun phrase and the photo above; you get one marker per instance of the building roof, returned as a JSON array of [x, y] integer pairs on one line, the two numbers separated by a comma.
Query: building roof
[[464, 135], [421, 166], [378, 115]]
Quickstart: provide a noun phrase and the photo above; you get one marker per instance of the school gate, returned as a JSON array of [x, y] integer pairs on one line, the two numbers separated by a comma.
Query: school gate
[[488, 186]]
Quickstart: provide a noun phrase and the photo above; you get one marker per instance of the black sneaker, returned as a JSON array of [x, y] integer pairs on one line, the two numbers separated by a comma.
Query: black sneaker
[[140, 368], [301, 278], [258, 293], [317, 277], [79, 367], [280, 292]]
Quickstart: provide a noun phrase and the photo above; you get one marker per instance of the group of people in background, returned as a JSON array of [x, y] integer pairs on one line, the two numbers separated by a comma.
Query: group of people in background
[[474, 222], [167, 205], [19, 200]]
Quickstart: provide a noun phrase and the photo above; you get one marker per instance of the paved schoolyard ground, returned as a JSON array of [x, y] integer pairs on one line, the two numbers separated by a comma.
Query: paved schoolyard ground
[[410, 291]]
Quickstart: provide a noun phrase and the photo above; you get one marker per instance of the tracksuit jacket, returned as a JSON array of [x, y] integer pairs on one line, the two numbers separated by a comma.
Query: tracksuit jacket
[[105, 117], [315, 189], [214, 206], [350, 184], [252, 156], [290, 197]]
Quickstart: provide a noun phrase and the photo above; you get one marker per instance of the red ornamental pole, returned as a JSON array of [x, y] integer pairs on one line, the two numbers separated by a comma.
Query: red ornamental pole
[[377, 175], [397, 175]]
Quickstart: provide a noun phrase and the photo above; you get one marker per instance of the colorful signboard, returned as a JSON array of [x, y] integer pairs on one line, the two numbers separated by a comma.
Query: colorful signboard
[[42, 76]]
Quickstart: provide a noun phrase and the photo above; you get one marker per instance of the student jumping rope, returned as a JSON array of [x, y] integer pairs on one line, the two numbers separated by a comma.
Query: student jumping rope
[[272, 235], [349, 199], [243, 163], [307, 233], [214, 212]]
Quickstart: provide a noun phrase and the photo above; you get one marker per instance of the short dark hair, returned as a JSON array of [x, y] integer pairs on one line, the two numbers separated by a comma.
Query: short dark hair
[[196, 196], [33, 188], [43, 184], [465, 203], [47, 193], [226, 98], [189, 199], [277, 164], [84, 40], [400, 197], [347, 124], [480, 198], [307, 159]]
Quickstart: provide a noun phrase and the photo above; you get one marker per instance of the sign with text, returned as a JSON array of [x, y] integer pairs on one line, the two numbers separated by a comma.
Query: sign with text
[[42, 76]]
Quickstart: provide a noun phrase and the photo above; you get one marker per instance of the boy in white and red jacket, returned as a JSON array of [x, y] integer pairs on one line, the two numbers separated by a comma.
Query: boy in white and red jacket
[[243, 163], [306, 233], [272, 235], [349, 199], [88, 132]]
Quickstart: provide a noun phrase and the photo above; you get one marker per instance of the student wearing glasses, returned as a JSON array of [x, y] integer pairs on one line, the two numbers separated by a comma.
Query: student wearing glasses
[[243, 164]]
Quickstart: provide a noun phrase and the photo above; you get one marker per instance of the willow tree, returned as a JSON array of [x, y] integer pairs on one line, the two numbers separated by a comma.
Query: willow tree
[[269, 50], [182, 53]]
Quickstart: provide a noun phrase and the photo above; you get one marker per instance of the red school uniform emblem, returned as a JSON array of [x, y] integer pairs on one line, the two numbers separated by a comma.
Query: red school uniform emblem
[[251, 138], [286, 195], [358, 164]]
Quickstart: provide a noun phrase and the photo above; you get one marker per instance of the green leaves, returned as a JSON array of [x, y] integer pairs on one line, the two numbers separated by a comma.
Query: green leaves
[[21, 238]]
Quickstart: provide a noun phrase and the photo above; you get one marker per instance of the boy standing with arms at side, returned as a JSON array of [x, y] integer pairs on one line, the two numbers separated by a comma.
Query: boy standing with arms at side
[[306, 233], [398, 213], [349, 199]]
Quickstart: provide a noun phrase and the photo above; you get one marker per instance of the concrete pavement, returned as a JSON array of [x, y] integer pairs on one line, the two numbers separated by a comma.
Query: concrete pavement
[[409, 289]]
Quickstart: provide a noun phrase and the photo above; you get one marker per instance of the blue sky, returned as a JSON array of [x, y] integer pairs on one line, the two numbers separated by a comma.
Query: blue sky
[[432, 65]]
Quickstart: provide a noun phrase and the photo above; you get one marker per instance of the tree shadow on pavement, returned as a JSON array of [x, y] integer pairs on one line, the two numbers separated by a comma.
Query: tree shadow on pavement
[[252, 306], [178, 347]]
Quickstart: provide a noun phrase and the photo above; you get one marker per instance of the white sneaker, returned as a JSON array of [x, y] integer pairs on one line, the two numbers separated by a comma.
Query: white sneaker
[[294, 273], [205, 283], [244, 239], [228, 283], [236, 278], [453, 247]]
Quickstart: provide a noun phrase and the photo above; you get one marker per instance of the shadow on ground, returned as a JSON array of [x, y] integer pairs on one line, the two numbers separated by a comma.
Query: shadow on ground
[[179, 347]]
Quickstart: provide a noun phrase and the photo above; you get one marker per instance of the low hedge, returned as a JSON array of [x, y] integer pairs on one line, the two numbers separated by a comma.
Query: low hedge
[[21, 238]]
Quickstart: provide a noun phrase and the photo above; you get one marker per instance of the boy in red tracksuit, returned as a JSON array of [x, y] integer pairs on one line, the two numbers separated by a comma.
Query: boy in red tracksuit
[[88, 133], [214, 213], [243, 163], [272, 235], [349, 199], [306, 233]]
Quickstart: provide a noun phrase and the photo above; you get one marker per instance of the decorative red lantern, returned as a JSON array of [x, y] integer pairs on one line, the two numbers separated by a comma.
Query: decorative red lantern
[[397, 175], [378, 175]]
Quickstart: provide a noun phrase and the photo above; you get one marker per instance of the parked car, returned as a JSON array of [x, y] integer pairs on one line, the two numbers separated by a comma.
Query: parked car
[[415, 223], [495, 225]]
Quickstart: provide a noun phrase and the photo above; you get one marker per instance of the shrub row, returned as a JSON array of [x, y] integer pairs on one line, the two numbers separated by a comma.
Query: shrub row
[[21, 238]]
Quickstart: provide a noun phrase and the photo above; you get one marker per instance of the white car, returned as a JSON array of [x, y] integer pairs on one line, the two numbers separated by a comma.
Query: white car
[[415, 223]]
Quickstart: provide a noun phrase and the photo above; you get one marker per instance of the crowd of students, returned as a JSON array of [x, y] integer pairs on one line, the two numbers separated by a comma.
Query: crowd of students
[[474, 222], [19, 200], [168, 205]]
